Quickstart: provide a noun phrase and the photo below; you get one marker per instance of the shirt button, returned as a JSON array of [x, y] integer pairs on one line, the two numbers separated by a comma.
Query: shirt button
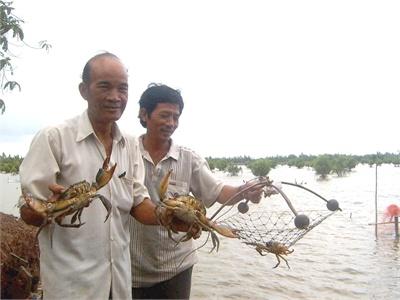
[[112, 239], [112, 260]]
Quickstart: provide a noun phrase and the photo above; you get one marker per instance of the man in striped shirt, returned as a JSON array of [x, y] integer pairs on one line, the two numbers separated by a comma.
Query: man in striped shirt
[[160, 268]]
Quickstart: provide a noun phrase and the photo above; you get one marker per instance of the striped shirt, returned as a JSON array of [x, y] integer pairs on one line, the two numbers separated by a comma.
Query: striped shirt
[[154, 256]]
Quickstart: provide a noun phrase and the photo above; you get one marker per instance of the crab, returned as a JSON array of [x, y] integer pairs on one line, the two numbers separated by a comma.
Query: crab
[[273, 247], [72, 201], [190, 211]]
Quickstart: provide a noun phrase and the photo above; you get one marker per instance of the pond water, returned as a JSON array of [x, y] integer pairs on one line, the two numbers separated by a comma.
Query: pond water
[[342, 258]]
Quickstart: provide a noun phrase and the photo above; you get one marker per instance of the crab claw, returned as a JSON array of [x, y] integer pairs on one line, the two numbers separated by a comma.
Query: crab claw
[[104, 174], [162, 190], [224, 230]]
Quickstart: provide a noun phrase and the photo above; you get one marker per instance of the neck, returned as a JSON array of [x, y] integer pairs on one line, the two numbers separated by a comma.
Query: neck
[[104, 133], [156, 148]]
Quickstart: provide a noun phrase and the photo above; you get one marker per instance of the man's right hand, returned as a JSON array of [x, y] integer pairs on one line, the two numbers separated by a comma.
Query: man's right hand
[[30, 217]]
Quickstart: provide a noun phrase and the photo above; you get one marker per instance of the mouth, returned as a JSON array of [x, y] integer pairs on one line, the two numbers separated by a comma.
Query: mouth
[[167, 131], [112, 107]]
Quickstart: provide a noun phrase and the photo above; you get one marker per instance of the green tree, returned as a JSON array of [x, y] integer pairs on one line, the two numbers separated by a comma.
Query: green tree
[[10, 164], [322, 166], [10, 30], [338, 165], [233, 169], [260, 167], [211, 163], [221, 164]]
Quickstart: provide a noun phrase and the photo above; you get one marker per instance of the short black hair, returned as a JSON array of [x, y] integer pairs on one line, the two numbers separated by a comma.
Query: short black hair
[[159, 93]]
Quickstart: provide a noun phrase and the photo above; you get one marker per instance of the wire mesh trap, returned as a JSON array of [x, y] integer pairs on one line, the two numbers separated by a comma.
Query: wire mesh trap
[[262, 227], [271, 231]]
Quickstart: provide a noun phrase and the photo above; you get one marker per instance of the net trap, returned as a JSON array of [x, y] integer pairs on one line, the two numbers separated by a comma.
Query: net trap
[[272, 231]]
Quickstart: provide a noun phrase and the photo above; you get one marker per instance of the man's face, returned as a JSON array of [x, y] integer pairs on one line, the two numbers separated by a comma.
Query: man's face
[[163, 121], [107, 90]]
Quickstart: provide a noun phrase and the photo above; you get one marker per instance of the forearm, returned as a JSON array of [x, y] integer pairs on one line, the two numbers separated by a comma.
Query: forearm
[[148, 213], [250, 191], [145, 212], [228, 192]]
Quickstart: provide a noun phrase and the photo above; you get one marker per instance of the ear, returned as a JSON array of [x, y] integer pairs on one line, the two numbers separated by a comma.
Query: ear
[[142, 114], [83, 89]]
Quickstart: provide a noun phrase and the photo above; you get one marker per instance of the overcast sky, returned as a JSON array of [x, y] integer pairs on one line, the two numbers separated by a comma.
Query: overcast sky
[[258, 78]]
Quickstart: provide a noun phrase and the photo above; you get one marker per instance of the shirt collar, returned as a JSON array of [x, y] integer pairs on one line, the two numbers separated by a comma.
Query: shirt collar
[[85, 129], [173, 151]]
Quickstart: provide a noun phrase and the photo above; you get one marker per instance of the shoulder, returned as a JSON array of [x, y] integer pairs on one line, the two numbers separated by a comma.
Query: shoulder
[[54, 132], [130, 138], [131, 142], [187, 152], [69, 125]]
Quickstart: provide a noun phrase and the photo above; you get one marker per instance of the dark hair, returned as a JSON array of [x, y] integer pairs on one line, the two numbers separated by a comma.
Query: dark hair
[[87, 68], [159, 93]]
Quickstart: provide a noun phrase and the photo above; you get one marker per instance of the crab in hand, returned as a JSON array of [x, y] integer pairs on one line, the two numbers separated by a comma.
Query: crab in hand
[[72, 201], [190, 211]]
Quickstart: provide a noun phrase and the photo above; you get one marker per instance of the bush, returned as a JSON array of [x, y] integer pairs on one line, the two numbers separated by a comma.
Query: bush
[[260, 167]]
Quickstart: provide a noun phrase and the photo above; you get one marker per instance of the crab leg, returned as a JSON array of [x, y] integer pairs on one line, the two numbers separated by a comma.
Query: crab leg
[[284, 260], [215, 241], [76, 215], [59, 222], [106, 204]]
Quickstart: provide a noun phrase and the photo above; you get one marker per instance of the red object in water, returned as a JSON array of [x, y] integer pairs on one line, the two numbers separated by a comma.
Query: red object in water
[[392, 211]]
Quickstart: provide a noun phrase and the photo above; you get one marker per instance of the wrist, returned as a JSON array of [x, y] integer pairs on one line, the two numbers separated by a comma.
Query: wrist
[[242, 191]]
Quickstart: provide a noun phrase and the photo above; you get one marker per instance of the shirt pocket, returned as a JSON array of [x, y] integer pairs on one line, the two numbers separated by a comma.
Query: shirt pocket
[[177, 187], [126, 192]]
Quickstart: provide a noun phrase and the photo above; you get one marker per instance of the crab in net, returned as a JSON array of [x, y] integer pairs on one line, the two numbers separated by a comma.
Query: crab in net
[[275, 232]]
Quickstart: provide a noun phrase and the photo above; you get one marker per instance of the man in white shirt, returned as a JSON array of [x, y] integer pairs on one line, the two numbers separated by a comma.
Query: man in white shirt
[[92, 261]]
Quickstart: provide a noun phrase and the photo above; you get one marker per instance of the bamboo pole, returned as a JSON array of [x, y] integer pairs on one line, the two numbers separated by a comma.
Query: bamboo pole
[[376, 200]]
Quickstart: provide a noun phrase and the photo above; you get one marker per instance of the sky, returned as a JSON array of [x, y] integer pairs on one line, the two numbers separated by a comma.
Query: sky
[[259, 78]]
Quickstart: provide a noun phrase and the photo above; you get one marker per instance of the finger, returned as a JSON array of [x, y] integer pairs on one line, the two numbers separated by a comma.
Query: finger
[[56, 188]]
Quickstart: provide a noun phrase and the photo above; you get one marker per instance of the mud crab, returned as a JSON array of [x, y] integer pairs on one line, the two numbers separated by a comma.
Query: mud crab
[[72, 201], [190, 211], [276, 248]]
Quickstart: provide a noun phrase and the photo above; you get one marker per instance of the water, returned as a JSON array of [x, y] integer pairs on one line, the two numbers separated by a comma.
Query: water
[[339, 259], [10, 191]]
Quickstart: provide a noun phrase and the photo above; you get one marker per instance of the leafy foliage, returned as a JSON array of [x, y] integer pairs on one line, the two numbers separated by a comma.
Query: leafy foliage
[[11, 29], [10, 164], [322, 165], [340, 164], [260, 167], [233, 169]]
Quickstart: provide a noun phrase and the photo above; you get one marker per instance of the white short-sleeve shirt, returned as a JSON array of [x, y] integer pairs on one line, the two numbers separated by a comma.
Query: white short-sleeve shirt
[[83, 263]]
